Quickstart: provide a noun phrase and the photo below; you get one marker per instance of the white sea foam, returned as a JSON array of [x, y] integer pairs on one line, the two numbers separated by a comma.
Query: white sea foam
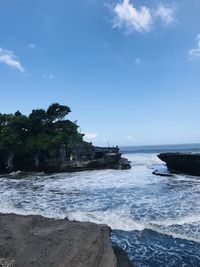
[[125, 200], [120, 220], [116, 219], [189, 219]]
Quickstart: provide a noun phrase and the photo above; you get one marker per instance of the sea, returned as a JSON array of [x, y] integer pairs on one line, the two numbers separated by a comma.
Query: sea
[[155, 219]]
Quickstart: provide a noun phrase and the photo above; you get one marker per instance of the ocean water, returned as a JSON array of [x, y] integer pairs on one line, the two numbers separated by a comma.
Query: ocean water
[[155, 219]]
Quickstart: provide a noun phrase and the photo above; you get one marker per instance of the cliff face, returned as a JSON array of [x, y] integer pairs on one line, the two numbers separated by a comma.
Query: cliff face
[[41, 242], [182, 162], [81, 156]]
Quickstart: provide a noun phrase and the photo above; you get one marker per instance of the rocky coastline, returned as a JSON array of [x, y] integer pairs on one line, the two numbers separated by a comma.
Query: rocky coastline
[[82, 157], [182, 162], [46, 141], [35, 241]]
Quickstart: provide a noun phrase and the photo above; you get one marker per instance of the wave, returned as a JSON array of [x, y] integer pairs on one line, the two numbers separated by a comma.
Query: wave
[[115, 219], [123, 200], [189, 219], [119, 220]]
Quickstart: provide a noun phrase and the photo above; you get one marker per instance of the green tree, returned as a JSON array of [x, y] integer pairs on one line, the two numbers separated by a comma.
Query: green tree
[[57, 112], [40, 132]]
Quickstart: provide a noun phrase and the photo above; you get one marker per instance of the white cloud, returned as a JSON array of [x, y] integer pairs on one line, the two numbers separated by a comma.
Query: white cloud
[[7, 57], [195, 53], [90, 136], [166, 13], [142, 19], [127, 15]]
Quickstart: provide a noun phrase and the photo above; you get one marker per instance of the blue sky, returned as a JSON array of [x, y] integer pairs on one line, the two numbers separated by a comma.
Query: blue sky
[[129, 70]]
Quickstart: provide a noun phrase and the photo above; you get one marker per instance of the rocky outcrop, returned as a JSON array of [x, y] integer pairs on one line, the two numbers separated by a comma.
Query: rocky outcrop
[[41, 242], [182, 162], [109, 160], [122, 258], [158, 173], [35, 241], [89, 157], [80, 157]]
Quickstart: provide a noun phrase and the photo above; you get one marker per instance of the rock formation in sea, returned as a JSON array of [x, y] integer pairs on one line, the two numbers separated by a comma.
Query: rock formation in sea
[[35, 241], [83, 156], [46, 141], [182, 162]]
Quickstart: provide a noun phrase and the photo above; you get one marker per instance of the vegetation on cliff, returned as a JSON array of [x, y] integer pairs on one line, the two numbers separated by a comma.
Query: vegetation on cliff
[[40, 131], [46, 141], [29, 141]]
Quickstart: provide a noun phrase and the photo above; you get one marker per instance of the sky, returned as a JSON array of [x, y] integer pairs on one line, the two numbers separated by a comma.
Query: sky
[[128, 69]]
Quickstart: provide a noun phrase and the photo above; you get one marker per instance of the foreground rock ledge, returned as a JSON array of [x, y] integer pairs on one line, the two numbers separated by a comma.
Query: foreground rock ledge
[[42, 242], [182, 162]]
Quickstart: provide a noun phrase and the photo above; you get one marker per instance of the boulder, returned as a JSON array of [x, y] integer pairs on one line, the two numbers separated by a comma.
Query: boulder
[[35, 241]]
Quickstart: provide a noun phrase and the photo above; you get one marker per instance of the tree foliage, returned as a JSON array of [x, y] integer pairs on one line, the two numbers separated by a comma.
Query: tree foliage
[[56, 112], [41, 131]]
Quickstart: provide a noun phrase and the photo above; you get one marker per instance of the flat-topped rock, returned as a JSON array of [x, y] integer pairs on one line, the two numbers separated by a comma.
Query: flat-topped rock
[[182, 162], [35, 241]]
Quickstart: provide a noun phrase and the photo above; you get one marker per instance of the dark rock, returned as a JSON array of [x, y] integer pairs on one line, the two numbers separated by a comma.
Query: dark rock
[[122, 258], [124, 164], [158, 173], [182, 162], [35, 241], [82, 156]]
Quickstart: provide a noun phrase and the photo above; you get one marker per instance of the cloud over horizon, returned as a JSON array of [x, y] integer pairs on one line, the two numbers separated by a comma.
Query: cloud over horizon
[[8, 57], [195, 53], [141, 19]]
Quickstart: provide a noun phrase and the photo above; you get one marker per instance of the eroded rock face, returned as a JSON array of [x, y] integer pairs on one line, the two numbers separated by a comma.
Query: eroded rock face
[[182, 162], [35, 241], [83, 156]]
